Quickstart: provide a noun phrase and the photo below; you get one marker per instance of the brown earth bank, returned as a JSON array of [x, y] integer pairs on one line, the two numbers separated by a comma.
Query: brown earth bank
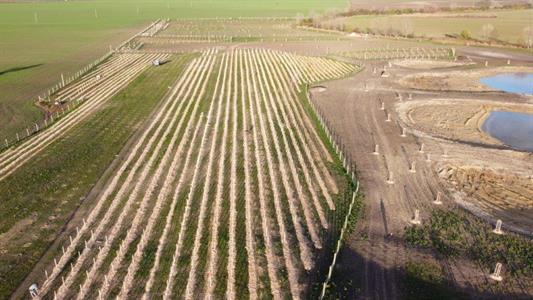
[[463, 80], [458, 120], [494, 193]]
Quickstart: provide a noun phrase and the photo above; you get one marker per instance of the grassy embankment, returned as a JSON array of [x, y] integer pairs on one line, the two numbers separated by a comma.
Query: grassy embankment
[[39, 198]]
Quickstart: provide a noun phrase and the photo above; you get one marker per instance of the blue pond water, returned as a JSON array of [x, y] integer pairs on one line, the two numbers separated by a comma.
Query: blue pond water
[[513, 129], [520, 83]]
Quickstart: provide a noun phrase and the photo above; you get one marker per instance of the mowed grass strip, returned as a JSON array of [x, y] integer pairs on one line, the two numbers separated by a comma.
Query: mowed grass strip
[[40, 197]]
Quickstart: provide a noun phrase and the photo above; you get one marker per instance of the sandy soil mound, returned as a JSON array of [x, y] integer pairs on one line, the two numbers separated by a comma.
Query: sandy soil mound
[[505, 196]]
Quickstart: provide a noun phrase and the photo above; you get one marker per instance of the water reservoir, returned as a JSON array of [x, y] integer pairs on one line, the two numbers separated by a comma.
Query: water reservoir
[[511, 128], [520, 83]]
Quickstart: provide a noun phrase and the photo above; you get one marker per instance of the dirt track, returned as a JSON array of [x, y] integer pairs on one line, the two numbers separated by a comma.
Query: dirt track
[[353, 107]]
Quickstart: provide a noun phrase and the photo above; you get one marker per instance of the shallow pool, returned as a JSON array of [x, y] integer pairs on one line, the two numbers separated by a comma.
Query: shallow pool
[[521, 83], [513, 129]]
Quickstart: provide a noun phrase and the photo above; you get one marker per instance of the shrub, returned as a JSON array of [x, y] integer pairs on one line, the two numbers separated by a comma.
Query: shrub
[[465, 34]]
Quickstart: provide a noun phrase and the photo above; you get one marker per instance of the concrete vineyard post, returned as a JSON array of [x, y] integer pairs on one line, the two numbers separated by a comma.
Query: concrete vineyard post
[[498, 227], [496, 275], [438, 200], [416, 218], [390, 178]]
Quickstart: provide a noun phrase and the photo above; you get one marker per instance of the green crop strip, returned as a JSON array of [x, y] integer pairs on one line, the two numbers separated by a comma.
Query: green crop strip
[[48, 189]]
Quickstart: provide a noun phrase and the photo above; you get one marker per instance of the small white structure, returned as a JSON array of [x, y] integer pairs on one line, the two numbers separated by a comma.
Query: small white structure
[[156, 62], [498, 228], [98, 77], [438, 200], [496, 276], [416, 219], [413, 167], [390, 179], [376, 150], [384, 74], [421, 149], [34, 290]]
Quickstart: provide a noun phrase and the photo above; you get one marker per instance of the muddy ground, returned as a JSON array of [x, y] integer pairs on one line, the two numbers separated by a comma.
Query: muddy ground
[[470, 169]]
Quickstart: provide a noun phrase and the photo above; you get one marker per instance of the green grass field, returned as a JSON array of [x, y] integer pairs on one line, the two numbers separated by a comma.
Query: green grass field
[[40, 40], [33, 214], [508, 24]]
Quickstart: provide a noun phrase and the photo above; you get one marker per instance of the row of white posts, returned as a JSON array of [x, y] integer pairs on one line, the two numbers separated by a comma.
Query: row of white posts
[[416, 220], [235, 19], [36, 127], [61, 84], [406, 53], [347, 166]]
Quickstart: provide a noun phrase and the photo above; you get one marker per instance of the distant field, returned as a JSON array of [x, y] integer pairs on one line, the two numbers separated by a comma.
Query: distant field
[[40, 40], [508, 24], [394, 4]]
